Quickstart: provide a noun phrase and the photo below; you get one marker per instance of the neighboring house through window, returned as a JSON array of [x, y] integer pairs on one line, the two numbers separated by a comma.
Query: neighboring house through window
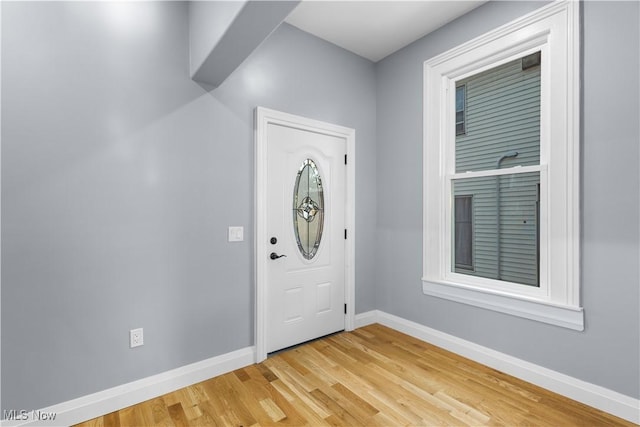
[[503, 130]]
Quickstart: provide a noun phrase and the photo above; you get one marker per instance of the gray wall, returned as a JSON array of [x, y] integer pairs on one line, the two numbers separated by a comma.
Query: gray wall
[[120, 177], [607, 352], [208, 21]]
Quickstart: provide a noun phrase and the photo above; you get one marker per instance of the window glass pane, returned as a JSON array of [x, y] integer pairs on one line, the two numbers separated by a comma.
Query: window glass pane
[[496, 230], [459, 98], [502, 114], [460, 106]]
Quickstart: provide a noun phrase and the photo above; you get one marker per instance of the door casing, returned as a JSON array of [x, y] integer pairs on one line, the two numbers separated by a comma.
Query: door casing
[[264, 117]]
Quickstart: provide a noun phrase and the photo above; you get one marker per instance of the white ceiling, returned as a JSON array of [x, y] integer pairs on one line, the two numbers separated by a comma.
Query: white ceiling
[[375, 29]]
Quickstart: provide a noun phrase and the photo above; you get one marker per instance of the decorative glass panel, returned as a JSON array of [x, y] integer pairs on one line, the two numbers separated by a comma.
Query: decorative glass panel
[[308, 209]]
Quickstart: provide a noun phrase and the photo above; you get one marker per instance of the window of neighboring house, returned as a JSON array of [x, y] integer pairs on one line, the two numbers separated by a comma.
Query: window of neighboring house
[[501, 192], [460, 109], [463, 246]]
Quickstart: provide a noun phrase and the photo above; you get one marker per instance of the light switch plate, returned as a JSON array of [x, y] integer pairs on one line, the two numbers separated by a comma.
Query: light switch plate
[[236, 234]]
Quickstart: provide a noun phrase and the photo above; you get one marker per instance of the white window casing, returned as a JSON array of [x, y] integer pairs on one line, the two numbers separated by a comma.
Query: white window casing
[[553, 30]]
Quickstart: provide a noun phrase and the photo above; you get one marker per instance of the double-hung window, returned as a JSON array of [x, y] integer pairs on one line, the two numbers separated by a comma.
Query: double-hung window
[[501, 169]]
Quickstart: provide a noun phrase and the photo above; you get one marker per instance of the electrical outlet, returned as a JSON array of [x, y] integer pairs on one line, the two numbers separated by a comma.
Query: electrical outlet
[[236, 234], [136, 338]]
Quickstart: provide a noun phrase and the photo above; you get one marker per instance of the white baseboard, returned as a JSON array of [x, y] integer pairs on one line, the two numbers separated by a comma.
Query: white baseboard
[[593, 395], [367, 318], [94, 405]]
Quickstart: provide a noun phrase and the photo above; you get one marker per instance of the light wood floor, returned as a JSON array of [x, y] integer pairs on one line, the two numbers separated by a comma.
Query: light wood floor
[[372, 376]]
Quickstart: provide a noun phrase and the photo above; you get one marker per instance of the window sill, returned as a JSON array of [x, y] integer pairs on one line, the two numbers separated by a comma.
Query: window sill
[[541, 311]]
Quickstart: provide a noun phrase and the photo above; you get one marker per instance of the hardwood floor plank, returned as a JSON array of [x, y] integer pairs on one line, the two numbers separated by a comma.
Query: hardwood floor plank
[[273, 410], [291, 360], [401, 406], [160, 412], [233, 397], [241, 374], [145, 411], [363, 406], [209, 416], [131, 416], [249, 392], [176, 412], [301, 392], [293, 375], [266, 372], [311, 413], [218, 406], [189, 406], [112, 419], [459, 406], [349, 406], [373, 376], [96, 422], [338, 413], [293, 417]]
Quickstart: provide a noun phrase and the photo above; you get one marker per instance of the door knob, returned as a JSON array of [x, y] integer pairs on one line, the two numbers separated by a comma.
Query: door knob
[[275, 255]]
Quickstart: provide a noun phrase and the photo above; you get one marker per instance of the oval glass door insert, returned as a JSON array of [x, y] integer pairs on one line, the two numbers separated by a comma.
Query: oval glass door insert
[[308, 209]]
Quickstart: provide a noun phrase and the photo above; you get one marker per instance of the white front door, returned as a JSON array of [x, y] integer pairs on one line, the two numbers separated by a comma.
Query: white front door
[[305, 226]]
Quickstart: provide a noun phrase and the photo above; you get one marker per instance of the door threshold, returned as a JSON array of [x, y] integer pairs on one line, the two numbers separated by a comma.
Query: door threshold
[[292, 347]]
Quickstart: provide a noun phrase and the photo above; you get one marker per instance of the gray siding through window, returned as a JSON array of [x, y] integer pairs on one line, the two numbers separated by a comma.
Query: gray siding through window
[[502, 116]]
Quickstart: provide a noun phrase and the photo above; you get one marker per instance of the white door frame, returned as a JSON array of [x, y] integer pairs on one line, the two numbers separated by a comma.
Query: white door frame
[[264, 117]]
